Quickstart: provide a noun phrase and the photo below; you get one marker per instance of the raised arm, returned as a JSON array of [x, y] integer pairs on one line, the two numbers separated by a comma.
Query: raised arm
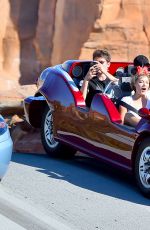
[[90, 74]]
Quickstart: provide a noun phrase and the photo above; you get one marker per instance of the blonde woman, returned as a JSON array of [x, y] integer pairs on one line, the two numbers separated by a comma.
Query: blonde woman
[[140, 84]]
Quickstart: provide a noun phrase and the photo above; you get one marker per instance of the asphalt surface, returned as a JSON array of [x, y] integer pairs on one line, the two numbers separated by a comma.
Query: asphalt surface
[[6, 223], [18, 215], [74, 194]]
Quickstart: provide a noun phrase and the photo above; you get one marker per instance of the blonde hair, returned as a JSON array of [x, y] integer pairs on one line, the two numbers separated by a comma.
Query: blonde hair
[[135, 77]]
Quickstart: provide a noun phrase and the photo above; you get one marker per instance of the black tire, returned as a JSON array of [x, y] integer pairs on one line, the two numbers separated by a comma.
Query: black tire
[[52, 147], [142, 167]]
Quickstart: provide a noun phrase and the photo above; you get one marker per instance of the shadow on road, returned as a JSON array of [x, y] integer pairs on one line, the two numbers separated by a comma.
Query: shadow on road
[[86, 173]]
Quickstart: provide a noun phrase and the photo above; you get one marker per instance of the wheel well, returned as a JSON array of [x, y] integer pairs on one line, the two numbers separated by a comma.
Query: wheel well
[[36, 111], [136, 145]]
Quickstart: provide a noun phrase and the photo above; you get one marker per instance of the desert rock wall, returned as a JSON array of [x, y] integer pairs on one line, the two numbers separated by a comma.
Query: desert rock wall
[[123, 28], [47, 32]]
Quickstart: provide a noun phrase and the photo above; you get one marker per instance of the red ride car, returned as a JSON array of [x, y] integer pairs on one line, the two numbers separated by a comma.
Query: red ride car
[[68, 125]]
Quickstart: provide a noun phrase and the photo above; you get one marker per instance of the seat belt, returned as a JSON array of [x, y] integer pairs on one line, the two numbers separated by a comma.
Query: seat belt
[[129, 107]]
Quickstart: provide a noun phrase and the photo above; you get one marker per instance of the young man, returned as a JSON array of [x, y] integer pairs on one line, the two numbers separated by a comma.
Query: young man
[[98, 76], [141, 60]]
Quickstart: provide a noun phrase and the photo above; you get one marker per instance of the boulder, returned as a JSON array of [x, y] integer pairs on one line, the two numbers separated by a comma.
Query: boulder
[[26, 139]]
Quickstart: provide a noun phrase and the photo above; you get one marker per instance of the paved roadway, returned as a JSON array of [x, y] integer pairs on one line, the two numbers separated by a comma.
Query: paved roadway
[[79, 194]]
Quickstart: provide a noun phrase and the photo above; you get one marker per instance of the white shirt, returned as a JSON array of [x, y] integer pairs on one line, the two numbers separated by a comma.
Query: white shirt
[[148, 94], [129, 100]]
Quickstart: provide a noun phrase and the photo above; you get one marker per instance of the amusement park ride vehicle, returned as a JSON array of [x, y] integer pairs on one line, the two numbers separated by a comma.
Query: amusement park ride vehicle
[[68, 125]]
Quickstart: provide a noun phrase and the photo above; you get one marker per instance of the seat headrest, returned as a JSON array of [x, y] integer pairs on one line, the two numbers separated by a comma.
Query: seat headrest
[[126, 86]]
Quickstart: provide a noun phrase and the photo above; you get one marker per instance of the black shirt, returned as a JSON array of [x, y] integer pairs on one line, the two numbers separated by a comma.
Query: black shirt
[[95, 86]]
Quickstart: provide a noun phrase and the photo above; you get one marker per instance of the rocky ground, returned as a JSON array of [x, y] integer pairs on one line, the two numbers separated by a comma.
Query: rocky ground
[[25, 138]]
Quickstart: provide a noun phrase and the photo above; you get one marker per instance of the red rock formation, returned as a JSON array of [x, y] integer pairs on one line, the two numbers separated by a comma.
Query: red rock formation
[[40, 33], [123, 28]]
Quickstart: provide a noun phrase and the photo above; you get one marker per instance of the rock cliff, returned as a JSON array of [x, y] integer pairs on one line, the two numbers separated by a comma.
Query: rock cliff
[[43, 33]]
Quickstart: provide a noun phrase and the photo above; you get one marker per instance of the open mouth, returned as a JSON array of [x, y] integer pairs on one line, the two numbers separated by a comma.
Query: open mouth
[[143, 89]]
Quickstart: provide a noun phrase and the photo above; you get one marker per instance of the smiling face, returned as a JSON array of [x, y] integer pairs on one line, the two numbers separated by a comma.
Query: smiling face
[[142, 85]]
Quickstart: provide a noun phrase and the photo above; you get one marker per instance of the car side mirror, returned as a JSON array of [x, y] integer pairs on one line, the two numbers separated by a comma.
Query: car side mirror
[[144, 113]]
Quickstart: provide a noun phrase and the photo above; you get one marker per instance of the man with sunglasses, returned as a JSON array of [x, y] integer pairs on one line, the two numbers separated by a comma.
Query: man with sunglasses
[[98, 76]]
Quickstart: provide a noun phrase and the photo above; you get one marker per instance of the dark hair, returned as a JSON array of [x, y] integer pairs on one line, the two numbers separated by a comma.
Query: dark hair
[[141, 60], [103, 54]]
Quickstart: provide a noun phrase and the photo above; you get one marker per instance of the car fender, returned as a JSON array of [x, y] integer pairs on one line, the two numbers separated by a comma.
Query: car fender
[[143, 129], [59, 86]]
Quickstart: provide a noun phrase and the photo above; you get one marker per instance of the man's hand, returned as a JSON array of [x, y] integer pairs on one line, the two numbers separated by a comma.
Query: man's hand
[[101, 68], [91, 73]]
